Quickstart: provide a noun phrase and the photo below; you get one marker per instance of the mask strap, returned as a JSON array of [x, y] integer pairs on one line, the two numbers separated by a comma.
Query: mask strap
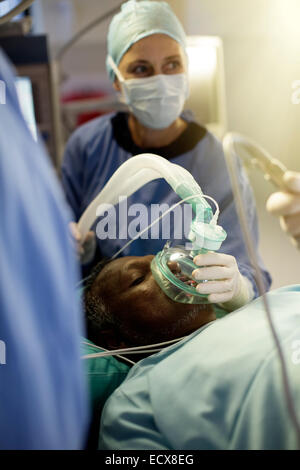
[[115, 69]]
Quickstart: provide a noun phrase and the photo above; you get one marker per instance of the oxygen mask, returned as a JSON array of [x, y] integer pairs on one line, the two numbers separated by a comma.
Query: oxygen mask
[[173, 267]]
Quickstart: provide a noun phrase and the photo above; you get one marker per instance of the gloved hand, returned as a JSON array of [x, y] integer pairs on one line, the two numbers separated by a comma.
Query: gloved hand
[[286, 204], [85, 248], [223, 281]]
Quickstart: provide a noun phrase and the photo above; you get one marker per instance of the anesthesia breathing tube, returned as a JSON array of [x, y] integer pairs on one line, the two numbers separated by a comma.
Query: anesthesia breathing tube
[[205, 235]]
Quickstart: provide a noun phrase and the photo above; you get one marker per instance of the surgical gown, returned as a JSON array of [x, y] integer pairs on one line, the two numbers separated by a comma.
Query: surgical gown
[[96, 150], [43, 399], [221, 388]]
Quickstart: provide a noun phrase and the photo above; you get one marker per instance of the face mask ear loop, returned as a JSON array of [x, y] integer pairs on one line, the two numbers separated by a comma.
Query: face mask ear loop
[[119, 77], [115, 69]]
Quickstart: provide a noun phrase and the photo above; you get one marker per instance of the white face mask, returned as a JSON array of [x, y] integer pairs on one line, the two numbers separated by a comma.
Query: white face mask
[[155, 101]]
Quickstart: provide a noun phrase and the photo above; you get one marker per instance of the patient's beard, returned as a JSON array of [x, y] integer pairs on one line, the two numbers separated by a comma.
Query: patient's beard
[[176, 329]]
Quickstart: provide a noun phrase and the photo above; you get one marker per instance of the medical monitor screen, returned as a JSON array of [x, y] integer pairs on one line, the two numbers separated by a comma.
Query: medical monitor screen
[[24, 91]]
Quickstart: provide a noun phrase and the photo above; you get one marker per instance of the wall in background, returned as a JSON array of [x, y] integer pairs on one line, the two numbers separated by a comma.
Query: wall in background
[[262, 60], [61, 19]]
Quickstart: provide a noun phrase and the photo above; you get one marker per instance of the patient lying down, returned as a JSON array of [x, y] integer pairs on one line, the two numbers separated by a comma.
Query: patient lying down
[[125, 307]]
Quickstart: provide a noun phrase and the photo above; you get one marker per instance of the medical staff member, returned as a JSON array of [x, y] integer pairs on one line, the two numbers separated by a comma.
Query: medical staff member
[[286, 205], [147, 63], [43, 402]]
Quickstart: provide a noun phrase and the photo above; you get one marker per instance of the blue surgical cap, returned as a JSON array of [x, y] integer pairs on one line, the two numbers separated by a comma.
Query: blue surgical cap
[[137, 20]]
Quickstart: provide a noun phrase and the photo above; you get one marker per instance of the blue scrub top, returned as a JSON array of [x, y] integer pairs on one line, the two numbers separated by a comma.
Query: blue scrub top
[[219, 389], [43, 401], [97, 149]]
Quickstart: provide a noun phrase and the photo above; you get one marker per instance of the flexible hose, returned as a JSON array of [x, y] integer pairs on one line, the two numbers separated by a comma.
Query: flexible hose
[[260, 285], [15, 11]]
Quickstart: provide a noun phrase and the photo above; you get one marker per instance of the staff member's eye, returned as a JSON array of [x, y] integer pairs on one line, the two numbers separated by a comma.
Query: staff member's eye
[[173, 67], [140, 70]]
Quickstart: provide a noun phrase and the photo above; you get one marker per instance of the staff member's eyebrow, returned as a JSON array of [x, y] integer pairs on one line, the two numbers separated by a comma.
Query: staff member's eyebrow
[[139, 61], [172, 57]]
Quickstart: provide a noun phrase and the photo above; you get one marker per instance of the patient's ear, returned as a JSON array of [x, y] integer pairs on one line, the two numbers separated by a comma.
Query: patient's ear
[[109, 339]]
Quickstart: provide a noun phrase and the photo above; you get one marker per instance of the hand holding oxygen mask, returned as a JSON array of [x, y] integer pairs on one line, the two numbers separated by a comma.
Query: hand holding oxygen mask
[[286, 205], [220, 279]]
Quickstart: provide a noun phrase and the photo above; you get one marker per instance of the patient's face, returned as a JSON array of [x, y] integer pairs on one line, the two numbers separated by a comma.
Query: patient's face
[[131, 292]]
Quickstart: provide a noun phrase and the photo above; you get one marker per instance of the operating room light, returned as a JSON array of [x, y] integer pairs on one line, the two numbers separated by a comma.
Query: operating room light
[[207, 98], [202, 56]]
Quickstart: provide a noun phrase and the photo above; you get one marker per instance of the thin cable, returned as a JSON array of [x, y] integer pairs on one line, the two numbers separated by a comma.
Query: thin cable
[[113, 353], [15, 11], [82, 281], [132, 363], [259, 281], [141, 348], [85, 30], [133, 350], [163, 215], [91, 356]]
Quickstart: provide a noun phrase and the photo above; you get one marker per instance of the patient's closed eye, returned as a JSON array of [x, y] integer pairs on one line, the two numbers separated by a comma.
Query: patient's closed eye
[[137, 281]]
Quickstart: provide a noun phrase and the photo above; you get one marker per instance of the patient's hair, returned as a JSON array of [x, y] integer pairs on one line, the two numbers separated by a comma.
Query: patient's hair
[[100, 317], [97, 312]]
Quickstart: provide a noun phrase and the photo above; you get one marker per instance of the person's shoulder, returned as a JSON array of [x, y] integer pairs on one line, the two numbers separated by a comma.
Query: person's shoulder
[[211, 149], [213, 142], [94, 129], [208, 138]]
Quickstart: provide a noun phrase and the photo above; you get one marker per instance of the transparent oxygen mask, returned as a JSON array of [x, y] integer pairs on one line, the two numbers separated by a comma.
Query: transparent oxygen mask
[[173, 267]]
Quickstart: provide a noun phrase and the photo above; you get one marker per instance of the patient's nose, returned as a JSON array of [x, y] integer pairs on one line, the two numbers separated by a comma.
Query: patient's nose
[[174, 267], [148, 258], [143, 261]]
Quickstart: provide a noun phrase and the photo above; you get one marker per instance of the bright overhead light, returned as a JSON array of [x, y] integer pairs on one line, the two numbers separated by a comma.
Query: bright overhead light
[[202, 54]]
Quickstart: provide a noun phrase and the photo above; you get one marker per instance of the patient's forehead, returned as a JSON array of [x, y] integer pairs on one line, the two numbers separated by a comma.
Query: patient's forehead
[[113, 267], [110, 276]]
